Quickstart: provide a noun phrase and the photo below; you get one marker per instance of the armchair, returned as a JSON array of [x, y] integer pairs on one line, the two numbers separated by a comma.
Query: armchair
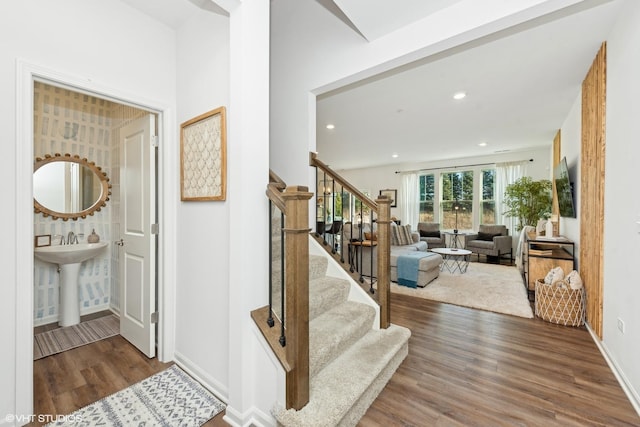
[[430, 233], [490, 240]]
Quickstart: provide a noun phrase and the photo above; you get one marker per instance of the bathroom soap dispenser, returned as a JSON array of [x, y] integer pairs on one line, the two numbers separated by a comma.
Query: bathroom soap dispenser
[[93, 237]]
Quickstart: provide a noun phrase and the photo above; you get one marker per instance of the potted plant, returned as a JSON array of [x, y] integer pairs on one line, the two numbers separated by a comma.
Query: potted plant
[[527, 200]]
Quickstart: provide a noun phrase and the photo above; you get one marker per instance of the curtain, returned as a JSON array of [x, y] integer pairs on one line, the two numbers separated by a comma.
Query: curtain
[[410, 200], [507, 173]]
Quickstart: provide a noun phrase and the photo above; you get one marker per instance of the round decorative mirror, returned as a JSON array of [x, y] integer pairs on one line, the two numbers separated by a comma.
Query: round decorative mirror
[[68, 187]]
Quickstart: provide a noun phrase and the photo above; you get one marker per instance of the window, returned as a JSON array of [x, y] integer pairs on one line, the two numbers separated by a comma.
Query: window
[[456, 207], [427, 192], [472, 191], [488, 203], [362, 212]]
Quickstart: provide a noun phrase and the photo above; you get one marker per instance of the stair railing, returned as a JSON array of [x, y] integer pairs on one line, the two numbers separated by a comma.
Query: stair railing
[[285, 323], [361, 247]]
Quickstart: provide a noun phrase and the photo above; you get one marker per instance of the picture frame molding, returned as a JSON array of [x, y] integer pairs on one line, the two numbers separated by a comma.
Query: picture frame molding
[[391, 194]]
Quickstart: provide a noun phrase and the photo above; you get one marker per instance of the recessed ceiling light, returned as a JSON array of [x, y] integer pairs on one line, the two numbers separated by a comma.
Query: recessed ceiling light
[[459, 95], [330, 126], [394, 155], [482, 144]]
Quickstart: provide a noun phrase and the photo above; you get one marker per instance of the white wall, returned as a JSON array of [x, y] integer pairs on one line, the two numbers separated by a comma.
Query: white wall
[[622, 198], [252, 390], [313, 52], [383, 177], [202, 287], [94, 41], [99, 44], [570, 147]]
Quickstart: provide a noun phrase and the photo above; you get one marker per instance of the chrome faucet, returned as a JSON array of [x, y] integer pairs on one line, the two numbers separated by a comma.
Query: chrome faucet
[[71, 238]]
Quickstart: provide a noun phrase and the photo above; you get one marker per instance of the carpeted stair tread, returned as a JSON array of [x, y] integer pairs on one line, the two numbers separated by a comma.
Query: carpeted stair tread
[[336, 330], [317, 268], [341, 393], [326, 292], [276, 251], [276, 223]]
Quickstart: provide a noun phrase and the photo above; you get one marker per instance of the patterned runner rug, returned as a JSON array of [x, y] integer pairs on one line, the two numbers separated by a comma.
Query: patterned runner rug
[[168, 398], [68, 337]]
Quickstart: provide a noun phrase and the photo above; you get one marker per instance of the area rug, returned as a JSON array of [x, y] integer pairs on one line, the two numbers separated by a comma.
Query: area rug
[[488, 287], [168, 398], [68, 337]]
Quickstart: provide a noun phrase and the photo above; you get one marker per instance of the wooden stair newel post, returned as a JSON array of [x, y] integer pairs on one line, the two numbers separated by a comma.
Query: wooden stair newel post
[[296, 230], [384, 260]]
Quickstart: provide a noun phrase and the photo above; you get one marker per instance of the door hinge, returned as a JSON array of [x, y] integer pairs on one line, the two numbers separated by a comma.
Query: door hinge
[[154, 317], [155, 229], [154, 141]]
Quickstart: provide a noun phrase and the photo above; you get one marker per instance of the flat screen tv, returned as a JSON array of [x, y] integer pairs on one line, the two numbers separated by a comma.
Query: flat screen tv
[[564, 189]]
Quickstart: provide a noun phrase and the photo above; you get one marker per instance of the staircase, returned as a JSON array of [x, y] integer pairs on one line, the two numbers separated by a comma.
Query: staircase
[[350, 359], [335, 343]]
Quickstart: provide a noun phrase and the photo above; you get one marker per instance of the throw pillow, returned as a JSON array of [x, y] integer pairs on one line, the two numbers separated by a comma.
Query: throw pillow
[[395, 235], [429, 233], [405, 235], [487, 236], [554, 275], [574, 279]]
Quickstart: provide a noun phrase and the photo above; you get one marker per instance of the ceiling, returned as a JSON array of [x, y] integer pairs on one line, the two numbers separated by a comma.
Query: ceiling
[[520, 89], [173, 13], [375, 18], [520, 86]]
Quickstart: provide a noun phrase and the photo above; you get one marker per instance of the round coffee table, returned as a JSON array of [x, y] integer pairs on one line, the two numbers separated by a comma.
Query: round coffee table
[[454, 259]]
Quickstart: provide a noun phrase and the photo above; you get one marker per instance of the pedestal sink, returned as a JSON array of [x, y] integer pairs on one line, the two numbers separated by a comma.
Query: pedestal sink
[[69, 258]]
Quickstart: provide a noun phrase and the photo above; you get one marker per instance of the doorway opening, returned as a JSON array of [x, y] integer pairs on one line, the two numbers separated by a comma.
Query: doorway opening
[[117, 138], [27, 77]]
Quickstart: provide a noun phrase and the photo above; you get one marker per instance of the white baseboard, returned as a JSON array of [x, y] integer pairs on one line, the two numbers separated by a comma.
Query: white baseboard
[[210, 383], [83, 311], [114, 310], [45, 320], [253, 417], [628, 389]]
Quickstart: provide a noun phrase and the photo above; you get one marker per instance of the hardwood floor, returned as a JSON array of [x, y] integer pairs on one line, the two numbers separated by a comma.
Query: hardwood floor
[[475, 368], [75, 378], [465, 368]]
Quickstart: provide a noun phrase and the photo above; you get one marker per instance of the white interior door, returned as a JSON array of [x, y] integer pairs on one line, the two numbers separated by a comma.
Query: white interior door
[[137, 242]]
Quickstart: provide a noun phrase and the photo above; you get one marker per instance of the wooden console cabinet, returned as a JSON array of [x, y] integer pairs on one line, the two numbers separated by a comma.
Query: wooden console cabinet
[[544, 254]]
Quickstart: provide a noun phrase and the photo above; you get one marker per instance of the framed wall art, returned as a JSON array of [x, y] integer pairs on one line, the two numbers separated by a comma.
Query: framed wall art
[[42, 240], [203, 157], [391, 194]]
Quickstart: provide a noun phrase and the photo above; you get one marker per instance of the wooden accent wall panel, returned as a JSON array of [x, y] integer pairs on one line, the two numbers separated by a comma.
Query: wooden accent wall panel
[[592, 187], [555, 209]]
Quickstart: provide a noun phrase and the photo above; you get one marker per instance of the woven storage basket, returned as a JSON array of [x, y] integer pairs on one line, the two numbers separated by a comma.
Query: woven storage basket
[[558, 303]]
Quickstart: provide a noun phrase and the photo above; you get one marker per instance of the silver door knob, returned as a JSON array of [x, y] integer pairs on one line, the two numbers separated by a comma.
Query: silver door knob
[[120, 242]]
